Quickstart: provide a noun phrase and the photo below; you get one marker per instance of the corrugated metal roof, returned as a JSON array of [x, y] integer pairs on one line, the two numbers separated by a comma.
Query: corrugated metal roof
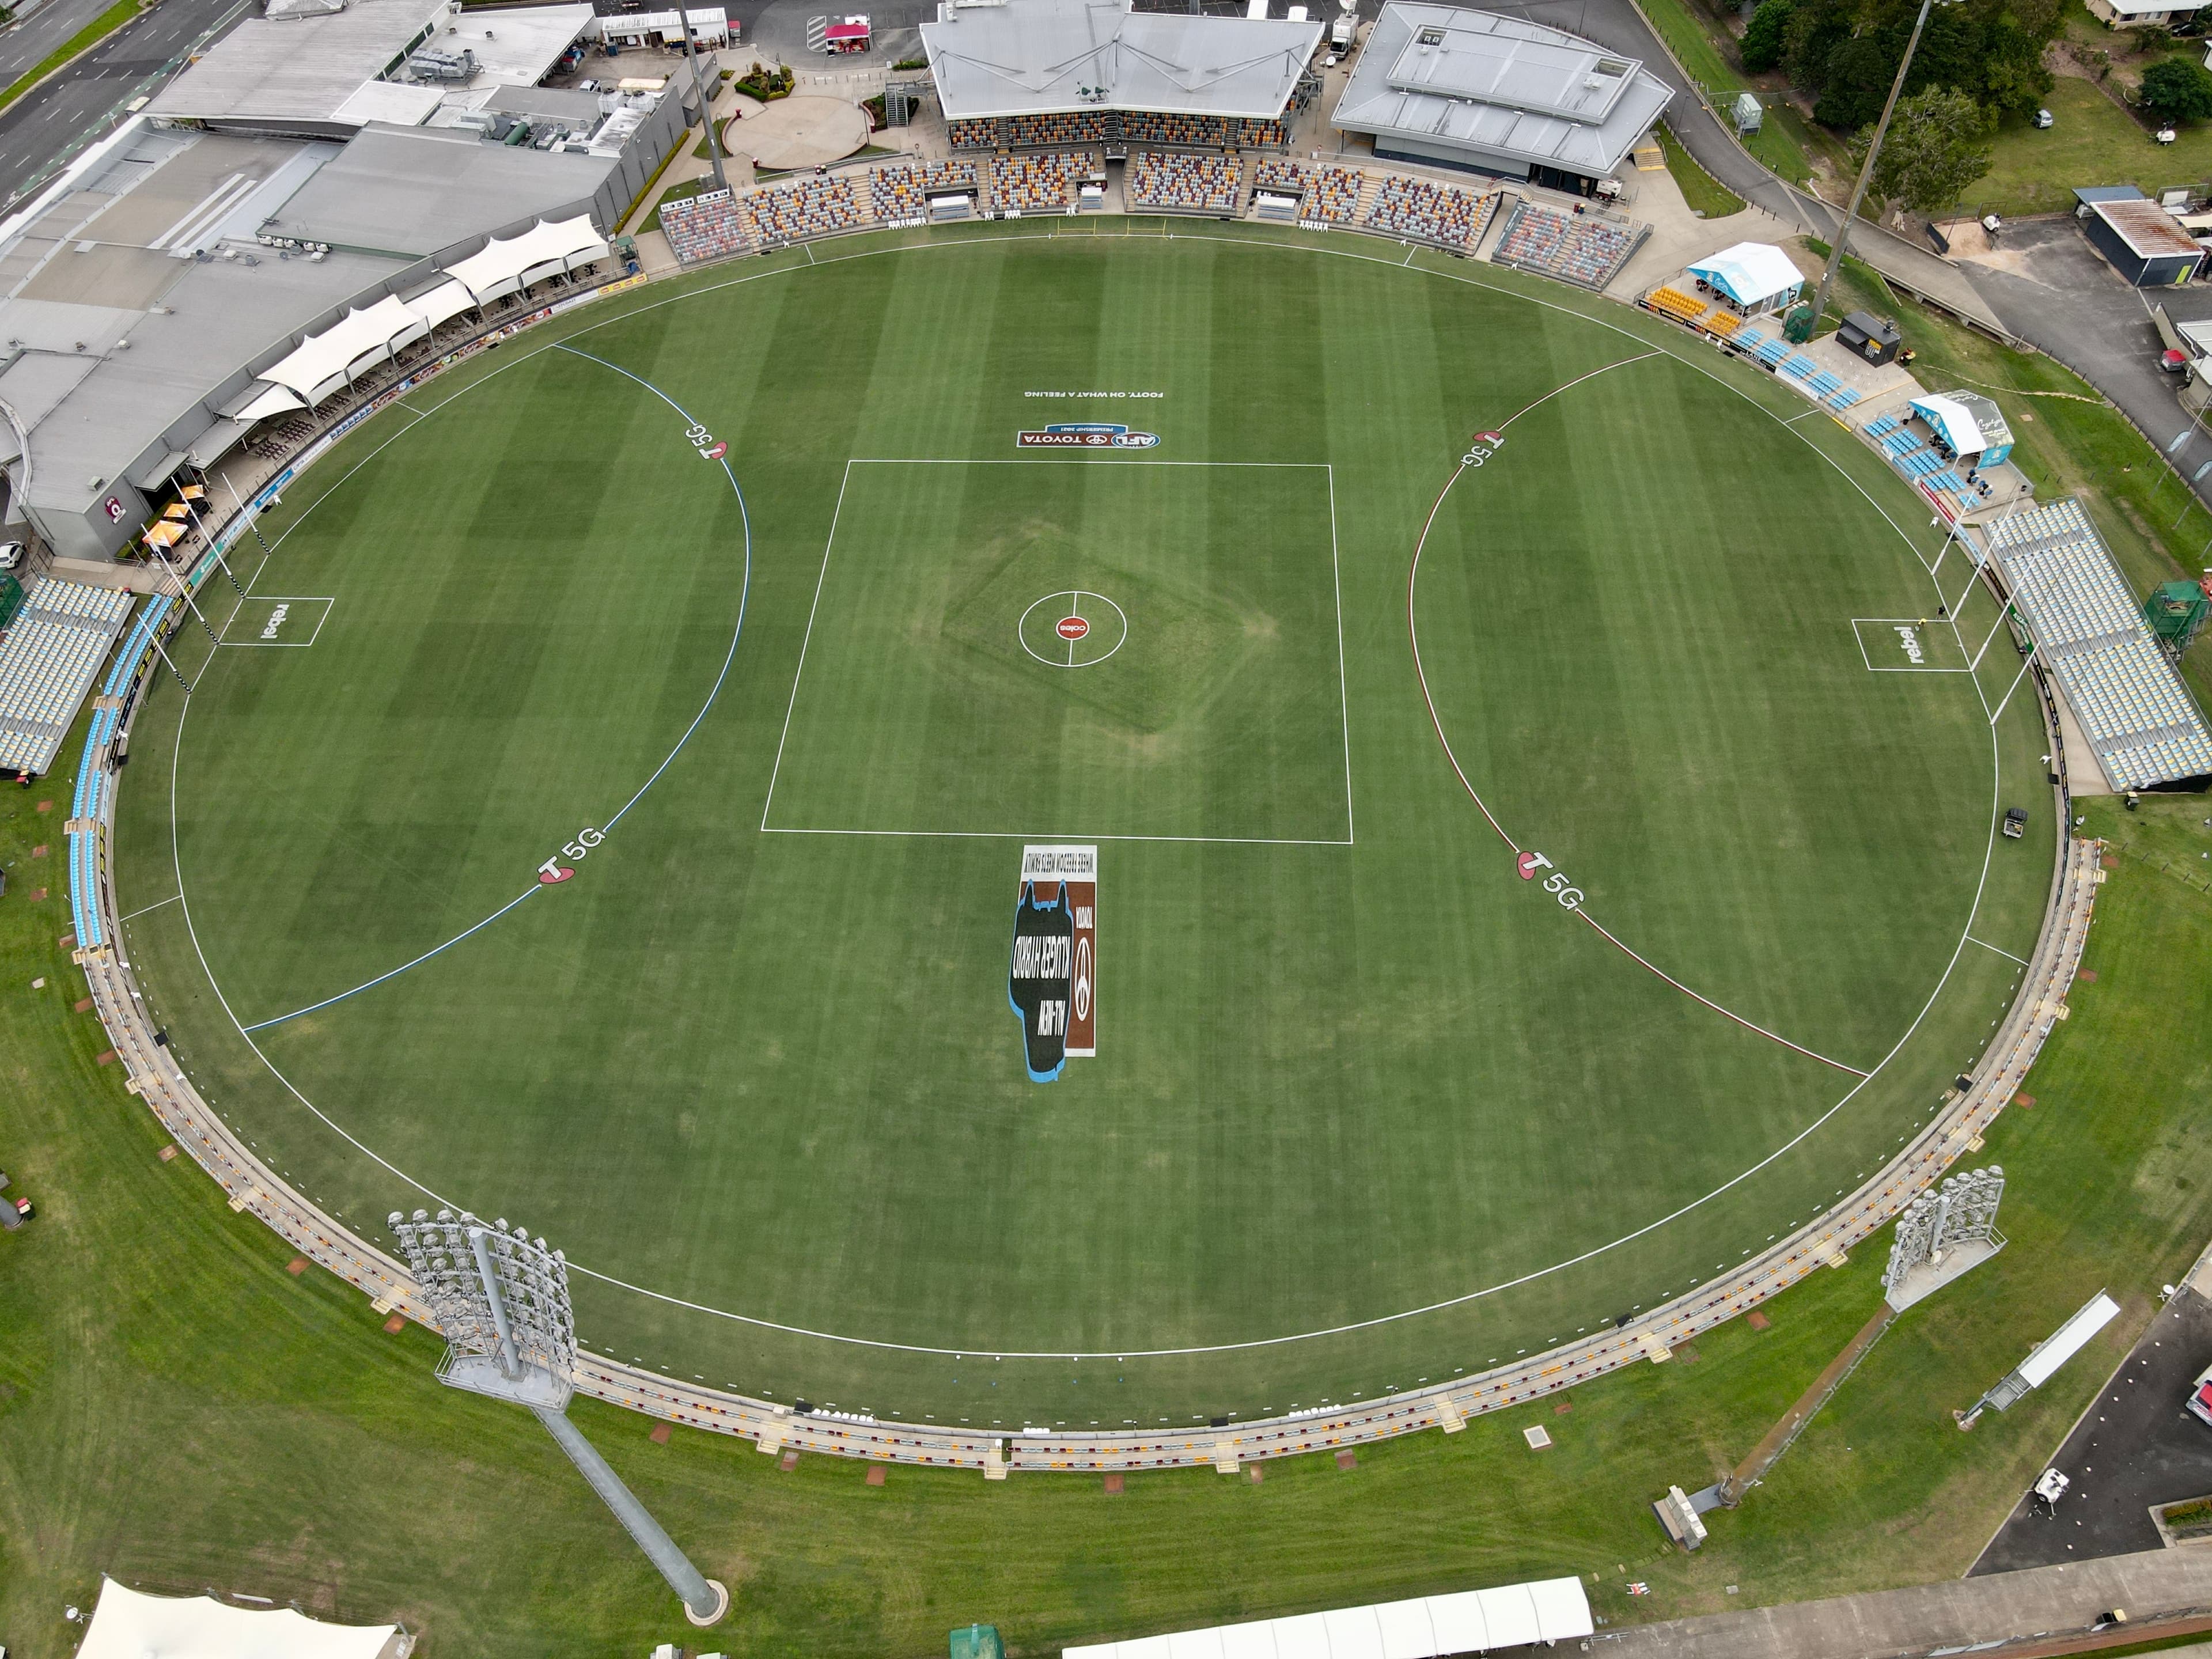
[[1499, 84], [1054, 57], [2148, 229]]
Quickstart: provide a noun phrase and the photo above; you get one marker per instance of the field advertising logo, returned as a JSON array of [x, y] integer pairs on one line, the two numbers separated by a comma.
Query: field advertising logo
[[1086, 435], [1052, 982]]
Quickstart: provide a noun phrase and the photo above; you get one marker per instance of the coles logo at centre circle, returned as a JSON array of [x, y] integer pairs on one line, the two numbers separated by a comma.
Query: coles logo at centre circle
[[1072, 627]]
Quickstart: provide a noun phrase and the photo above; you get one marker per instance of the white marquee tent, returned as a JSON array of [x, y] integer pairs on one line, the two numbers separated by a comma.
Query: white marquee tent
[[128, 1625], [1754, 275], [1428, 1627]]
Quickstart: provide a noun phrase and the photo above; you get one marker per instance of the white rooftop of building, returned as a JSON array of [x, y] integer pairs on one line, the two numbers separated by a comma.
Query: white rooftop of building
[[301, 68], [1050, 57], [1496, 83], [327, 70]]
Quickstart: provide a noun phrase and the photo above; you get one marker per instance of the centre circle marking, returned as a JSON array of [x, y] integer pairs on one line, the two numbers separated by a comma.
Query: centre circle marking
[[1087, 628]]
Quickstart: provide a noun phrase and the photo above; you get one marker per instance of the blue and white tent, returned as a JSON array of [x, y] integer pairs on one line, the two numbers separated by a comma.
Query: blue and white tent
[[1757, 276]]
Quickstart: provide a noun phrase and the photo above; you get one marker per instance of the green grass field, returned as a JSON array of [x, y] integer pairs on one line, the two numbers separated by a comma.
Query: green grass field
[[766, 1086]]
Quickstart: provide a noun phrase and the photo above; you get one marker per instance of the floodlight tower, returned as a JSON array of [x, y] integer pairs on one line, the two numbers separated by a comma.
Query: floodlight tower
[[1866, 172], [501, 1302], [706, 110]]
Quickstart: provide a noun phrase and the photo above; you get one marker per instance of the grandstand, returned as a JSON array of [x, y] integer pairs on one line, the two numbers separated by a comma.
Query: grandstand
[[708, 225], [2139, 718], [53, 646], [1036, 183], [1583, 248], [815, 207], [1422, 211], [1180, 183]]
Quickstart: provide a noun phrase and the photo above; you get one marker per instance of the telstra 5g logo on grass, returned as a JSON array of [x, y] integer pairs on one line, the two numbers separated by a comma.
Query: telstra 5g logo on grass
[[1557, 884]]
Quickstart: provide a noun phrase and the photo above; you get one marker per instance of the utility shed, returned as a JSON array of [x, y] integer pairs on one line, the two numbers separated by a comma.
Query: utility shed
[[1875, 338], [2143, 241]]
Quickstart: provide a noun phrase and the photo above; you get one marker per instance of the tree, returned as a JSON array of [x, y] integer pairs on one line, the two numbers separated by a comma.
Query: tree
[[2178, 89], [1766, 38], [1857, 81], [1934, 150]]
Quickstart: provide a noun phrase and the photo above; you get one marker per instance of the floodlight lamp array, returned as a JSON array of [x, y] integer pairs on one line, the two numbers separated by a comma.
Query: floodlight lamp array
[[1962, 1211], [473, 1274]]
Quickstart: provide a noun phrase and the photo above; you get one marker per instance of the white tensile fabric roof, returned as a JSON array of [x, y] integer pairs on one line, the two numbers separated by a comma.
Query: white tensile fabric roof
[[321, 359], [1427, 1627], [127, 1624], [498, 269], [323, 362], [443, 303], [1750, 272]]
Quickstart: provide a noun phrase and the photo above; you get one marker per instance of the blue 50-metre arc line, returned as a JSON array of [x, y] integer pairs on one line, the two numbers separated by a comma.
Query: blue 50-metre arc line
[[744, 593]]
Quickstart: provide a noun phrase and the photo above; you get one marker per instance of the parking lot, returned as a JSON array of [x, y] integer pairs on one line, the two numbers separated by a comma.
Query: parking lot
[[2136, 1447]]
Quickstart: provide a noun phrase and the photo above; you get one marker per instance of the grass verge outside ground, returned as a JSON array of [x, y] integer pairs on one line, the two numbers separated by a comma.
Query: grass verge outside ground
[[1704, 194], [2093, 142], [90, 35], [1783, 138]]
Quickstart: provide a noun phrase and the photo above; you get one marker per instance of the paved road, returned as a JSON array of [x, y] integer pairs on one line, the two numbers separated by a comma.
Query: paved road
[[86, 100], [2136, 1448], [25, 45]]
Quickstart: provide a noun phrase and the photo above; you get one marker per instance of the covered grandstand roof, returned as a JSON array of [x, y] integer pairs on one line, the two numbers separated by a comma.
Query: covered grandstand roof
[[1515, 89], [1052, 56], [1750, 273]]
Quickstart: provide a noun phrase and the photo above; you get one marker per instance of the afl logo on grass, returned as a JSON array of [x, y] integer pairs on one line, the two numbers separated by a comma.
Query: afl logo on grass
[[1052, 980], [1086, 435]]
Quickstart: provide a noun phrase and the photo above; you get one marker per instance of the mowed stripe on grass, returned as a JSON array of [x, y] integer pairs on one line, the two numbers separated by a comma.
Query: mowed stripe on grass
[[778, 1074]]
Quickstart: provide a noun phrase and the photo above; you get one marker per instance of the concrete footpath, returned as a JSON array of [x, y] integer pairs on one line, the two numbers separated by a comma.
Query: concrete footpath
[[2042, 1610]]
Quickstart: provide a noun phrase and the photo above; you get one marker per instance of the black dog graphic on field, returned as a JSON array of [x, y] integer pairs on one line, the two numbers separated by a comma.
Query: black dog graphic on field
[[1038, 978]]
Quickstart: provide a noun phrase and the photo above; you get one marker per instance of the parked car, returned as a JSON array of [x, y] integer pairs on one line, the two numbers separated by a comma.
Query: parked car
[[2200, 1395], [11, 556], [2044, 118]]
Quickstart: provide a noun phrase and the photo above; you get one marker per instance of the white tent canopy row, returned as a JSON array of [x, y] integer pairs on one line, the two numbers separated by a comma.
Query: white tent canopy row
[[368, 335], [1751, 273], [1427, 1627], [129, 1624]]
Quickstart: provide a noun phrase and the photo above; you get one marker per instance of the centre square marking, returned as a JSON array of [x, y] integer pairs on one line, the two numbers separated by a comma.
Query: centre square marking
[[1086, 628], [1204, 594]]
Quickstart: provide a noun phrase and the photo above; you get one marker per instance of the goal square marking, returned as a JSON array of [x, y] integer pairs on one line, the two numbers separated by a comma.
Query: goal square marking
[[284, 620], [921, 705], [1910, 645]]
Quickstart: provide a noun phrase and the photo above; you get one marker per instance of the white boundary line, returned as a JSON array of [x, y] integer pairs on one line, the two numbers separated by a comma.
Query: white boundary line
[[2000, 950], [1336, 591], [1274, 1341]]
